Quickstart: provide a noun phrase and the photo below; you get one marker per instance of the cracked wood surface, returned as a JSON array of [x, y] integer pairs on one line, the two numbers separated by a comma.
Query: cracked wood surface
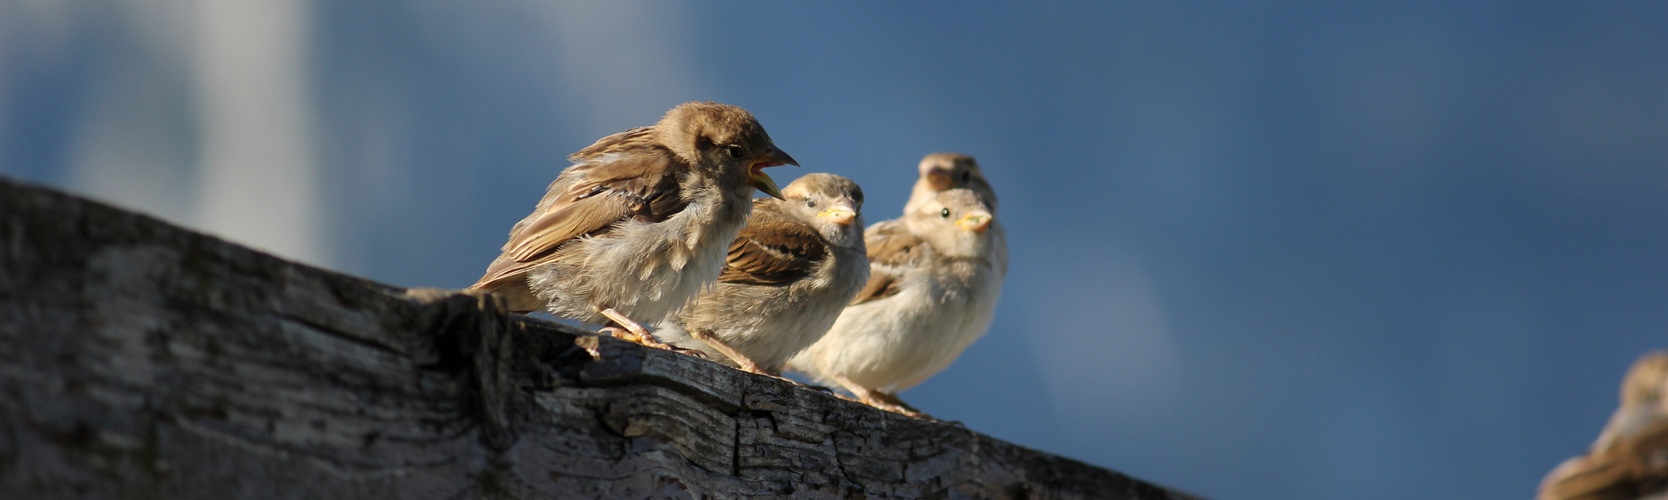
[[141, 360]]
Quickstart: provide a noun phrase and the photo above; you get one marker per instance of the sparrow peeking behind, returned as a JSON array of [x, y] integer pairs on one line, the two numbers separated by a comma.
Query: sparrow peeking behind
[[934, 279], [640, 221], [1630, 458], [793, 268], [942, 171], [939, 172]]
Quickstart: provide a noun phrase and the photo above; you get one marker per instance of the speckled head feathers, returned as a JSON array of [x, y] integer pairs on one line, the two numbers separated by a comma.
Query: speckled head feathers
[[692, 127], [825, 186]]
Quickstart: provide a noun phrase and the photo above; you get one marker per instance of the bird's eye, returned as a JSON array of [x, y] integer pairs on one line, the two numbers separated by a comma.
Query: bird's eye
[[734, 151], [945, 213], [966, 175], [811, 203]]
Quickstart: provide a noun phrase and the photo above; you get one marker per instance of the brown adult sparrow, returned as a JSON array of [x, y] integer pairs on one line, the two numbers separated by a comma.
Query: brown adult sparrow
[[1630, 458], [640, 221], [935, 277], [941, 171], [790, 272]]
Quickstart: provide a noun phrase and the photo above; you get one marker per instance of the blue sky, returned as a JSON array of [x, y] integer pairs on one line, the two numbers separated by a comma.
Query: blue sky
[[1261, 250]]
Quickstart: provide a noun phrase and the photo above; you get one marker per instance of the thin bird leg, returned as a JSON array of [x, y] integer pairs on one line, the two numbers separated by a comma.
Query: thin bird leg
[[891, 400], [746, 363], [856, 389], [633, 332], [878, 399]]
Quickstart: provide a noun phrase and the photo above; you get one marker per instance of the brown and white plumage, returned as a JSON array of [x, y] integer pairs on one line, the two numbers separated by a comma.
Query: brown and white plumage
[[934, 281], [640, 221], [787, 276], [939, 172], [944, 171], [1630, 458]]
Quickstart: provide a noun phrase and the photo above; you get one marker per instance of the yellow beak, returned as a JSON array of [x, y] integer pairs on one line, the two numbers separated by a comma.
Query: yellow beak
[[772, 157], [841, 213], [977, 220]]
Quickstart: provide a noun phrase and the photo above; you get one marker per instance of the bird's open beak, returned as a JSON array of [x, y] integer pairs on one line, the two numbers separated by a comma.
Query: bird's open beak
[[938, 178], [977, 220], [773, 157], [842, 213]]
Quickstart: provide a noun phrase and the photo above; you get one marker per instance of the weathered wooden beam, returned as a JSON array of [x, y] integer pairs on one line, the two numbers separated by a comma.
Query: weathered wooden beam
[[142, 360]]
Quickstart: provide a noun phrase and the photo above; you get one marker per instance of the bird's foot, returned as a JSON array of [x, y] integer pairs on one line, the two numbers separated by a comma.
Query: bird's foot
[[648, 340], [742, 362], [879, 399], [746, 364], [632, 331], [778, 375], [884, 400]]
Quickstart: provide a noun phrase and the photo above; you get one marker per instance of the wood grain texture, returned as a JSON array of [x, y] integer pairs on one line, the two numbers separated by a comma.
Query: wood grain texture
[[141, 360]]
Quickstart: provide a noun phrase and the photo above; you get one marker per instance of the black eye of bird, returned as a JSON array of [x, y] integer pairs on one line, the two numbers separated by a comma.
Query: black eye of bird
[[966, 175], [945, 213], [811, 203], [734, 150]]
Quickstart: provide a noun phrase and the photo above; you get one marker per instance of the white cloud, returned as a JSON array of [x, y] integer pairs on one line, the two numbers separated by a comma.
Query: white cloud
[[259, 169]]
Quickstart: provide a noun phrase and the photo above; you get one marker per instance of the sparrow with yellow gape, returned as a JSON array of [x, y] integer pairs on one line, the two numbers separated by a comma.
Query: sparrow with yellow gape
[[640, 222]]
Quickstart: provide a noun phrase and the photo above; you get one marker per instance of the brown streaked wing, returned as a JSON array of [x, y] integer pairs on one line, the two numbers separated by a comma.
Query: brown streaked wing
[[630, 139], [890, 246], [641, 184], [772, 250]]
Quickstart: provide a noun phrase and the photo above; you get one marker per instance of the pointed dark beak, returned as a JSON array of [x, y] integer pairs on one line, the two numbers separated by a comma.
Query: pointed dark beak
[[773, 157]]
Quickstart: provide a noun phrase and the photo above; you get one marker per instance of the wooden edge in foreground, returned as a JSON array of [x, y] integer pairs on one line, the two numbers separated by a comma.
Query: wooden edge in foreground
[[142, 360]]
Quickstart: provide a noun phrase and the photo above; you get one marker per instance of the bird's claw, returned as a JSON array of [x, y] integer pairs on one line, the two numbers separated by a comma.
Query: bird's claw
[[650, 341], [891, 403], [692, 352]]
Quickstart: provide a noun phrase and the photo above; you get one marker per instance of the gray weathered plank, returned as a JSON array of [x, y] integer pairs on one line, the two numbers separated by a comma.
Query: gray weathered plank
[[141, 360]]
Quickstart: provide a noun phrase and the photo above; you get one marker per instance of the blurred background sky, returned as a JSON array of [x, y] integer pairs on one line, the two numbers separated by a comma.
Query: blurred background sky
[[1267, 250]]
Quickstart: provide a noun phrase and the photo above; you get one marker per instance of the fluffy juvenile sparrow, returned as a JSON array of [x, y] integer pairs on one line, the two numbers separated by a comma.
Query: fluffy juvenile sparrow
[[640, 221], [1630, 458], [934, 281], [790, 272], [939, 172], [942, 171]]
